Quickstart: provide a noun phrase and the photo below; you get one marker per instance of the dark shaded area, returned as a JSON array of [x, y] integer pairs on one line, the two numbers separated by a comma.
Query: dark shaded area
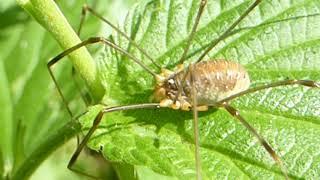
[[13, 16]]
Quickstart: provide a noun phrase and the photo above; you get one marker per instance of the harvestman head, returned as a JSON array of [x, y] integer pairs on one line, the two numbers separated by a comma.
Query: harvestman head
[[196, 87]]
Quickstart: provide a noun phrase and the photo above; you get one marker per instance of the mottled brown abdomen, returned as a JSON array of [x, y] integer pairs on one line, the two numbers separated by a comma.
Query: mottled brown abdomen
[[215, 81]]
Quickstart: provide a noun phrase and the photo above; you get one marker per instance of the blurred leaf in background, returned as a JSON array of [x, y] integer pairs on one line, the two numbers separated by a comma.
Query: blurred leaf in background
[[31, 108]]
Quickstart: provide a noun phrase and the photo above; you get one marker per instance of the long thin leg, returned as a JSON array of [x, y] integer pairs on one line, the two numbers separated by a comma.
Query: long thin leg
[[238, 30], [226, 33], [83, 97], [65, 102], [92, 40], [195, 125], [82, 19], [73, 74], [194, 29], [235, 113], [235, 31], [307, 83], [215, 42], [262, 141], [95, 125], [86, 9]]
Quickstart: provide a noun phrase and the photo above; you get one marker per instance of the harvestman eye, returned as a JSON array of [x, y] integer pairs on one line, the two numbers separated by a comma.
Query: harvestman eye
[[224, 81]]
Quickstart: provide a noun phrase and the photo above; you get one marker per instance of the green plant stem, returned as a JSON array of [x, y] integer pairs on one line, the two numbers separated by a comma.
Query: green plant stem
[[47, 13], [45, 149]]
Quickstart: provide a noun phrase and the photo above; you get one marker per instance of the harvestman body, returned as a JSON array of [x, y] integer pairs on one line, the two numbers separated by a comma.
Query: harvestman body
[[213, 82], [196, 87]]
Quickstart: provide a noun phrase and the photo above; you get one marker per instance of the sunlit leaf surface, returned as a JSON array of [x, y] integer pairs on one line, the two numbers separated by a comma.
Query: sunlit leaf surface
[[162, 139]]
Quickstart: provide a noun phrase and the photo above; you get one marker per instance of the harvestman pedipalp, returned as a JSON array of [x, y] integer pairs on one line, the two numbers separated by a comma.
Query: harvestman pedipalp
[[200, 85]]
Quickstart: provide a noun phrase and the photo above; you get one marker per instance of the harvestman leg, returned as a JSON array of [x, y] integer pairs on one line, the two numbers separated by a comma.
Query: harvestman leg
[[308, 83], [87, 100], [89, 41], [215, 42], [235, 113], [95, 125], [230, 31], [227, 32], [195, 125], [86, 9], [203, 3], [92, 40], [73, 74]]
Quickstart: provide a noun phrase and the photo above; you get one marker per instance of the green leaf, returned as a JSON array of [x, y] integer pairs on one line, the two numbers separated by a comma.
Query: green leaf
[[162, 139], [32, 115], [31, 109], [28, 100]]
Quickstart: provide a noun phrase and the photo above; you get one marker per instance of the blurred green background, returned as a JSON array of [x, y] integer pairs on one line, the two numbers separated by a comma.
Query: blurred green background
[[32, 109]]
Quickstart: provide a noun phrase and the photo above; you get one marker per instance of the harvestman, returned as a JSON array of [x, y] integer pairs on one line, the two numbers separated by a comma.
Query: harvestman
[[197, 87]]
